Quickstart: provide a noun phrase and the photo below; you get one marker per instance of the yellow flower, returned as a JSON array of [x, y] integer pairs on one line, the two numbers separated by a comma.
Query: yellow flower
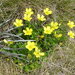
[[60, 43], [41, 36], [71, 24], [5, 41], [20, 64], [37, 53], [41, 17], [18, 23], [28, 31], [47, 11], [29, 11], [48, 30], [7, 59], [71, 34], [8, 42], [57, 35], [54, 25], [30, 45], [27, 17]]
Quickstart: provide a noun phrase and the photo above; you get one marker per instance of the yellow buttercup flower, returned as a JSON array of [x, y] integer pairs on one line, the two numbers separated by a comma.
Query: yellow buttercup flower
[[7, 59], [20, 64], [28, 31], [47, 11], [5, 41], [58, 35], [41, 36], [71, 24], [29, 11], [54, 25], [60, 43], [37, 53], [30, 45], [41, 17], [27, 17], [48, 30], [18, 23], [71, 34], [8, 42]]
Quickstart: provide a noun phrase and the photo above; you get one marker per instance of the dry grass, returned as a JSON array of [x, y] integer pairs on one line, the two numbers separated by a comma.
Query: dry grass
[[62, 61], [11, 9], [9, 68]]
